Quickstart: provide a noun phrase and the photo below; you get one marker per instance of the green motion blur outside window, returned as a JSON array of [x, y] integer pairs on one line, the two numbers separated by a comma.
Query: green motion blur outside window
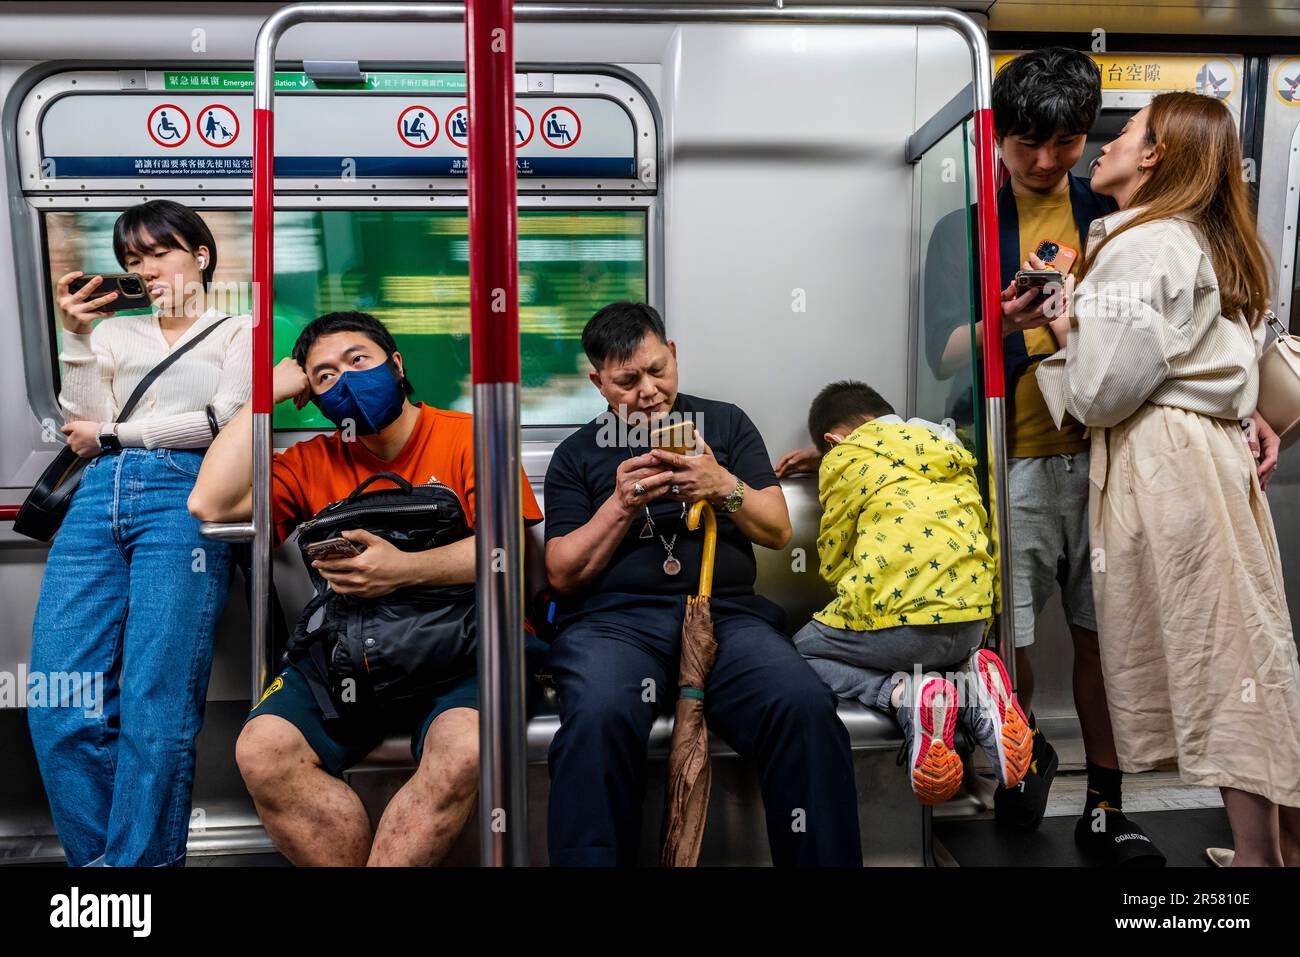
[[410, 269]]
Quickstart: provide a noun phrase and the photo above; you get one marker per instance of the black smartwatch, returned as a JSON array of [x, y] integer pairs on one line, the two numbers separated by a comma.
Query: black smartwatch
[[109, 442]]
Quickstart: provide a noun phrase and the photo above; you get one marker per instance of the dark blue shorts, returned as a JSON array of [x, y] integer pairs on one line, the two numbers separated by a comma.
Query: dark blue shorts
[[346, 741]]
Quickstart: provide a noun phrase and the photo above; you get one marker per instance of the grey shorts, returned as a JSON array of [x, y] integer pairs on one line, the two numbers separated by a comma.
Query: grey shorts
[[1049, 538], [861, 664]]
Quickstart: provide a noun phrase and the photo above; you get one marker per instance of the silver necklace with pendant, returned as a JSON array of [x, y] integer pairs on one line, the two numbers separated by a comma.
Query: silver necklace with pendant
[[672, 564]]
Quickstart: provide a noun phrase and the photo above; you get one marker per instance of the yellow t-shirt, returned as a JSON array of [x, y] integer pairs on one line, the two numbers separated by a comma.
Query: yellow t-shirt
[[903, 532], [1033, 433]]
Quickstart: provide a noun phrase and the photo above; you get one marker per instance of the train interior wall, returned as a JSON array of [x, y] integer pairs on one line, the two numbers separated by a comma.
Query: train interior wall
[[788, 259]]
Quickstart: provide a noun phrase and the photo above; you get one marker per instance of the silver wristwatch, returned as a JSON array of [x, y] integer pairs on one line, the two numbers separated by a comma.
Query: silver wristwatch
[[733, 501]]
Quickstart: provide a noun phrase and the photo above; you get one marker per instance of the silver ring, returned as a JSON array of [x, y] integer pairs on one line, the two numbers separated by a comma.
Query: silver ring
[[676, 490], [638, 489]]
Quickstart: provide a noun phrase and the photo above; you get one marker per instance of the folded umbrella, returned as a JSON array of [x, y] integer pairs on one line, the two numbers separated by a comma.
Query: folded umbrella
[[689, 775]]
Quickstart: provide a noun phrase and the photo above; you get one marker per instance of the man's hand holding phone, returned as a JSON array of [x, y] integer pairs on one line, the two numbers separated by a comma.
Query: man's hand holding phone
[[379, 570], [1020, 311], [696, 476], [1040, 303]]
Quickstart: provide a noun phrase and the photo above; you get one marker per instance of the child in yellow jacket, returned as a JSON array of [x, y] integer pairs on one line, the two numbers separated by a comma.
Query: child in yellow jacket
[[903, 541]]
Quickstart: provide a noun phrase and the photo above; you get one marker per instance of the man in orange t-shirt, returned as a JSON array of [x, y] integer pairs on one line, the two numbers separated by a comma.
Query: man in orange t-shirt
[[291, 758]]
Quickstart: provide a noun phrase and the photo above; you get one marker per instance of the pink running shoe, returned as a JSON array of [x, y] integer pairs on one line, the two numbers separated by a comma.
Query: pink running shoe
[[995, 719], [928, 717]]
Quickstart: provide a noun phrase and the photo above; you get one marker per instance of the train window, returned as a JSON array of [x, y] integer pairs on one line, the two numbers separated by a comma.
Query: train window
[[410, 269], [587, 154]]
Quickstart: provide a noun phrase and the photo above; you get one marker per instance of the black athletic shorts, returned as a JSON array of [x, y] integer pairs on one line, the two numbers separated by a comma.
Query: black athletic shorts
[[345, 741]]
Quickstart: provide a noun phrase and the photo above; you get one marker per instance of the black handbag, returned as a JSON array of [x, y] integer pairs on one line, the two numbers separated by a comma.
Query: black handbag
[[47, 503], [397, 649]]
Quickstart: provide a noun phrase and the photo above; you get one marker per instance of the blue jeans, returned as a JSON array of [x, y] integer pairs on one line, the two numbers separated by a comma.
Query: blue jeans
[[131, 596]]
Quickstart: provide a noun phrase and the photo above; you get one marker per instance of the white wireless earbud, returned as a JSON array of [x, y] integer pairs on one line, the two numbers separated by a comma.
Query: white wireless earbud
[[202, 263]]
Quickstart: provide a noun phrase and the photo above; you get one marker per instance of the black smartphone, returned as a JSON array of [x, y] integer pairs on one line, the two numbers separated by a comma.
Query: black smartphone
[[1027, 279], [333, 548], [1046, 281], [132, 291]]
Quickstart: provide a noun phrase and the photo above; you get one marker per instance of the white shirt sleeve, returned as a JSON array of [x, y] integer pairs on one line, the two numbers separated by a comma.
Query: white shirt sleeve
[[87, 367]]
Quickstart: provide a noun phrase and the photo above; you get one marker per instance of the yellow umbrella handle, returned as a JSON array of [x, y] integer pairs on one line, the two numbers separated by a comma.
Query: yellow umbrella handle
[[710, 542]]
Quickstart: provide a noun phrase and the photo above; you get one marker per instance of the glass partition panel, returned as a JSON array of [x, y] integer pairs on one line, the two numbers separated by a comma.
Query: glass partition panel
[[946, 380]]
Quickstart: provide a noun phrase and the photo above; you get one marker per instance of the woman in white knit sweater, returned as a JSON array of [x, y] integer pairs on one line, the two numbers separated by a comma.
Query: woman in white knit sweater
[[132, 592]]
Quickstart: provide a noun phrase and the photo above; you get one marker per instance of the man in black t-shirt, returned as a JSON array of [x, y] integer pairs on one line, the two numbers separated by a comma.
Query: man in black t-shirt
[[618, 551]]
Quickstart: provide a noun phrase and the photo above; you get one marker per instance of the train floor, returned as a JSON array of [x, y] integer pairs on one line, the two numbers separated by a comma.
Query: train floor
[[1182, 821]]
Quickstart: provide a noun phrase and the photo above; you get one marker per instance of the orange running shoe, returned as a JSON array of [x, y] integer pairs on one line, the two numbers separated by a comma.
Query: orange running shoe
[[928, 717], [995, 719]]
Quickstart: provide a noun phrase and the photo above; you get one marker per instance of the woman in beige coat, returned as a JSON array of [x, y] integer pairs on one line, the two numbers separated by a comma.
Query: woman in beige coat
[[1159, 358]]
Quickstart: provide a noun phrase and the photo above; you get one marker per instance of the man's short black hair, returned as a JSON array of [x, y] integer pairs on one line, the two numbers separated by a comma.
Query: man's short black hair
[[841, 404], [167, 224], [1046, 92], [361, 322], [616, 331]]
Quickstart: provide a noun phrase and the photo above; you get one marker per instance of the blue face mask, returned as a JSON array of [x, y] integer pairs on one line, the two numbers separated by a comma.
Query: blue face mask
[[372, 398]]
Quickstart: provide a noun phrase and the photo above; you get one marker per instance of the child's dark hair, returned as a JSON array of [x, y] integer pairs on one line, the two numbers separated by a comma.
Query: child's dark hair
[[361, 322], [843, 403], [616, 330], [1046, 92], [167, 224]]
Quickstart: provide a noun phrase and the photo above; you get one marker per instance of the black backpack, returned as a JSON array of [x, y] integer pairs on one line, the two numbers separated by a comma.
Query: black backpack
[[367, 653]]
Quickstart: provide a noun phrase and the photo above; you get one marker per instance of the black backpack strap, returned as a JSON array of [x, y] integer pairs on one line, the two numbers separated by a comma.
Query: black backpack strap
[[300, 638], [162, 367], [316, 673], [307, 653]]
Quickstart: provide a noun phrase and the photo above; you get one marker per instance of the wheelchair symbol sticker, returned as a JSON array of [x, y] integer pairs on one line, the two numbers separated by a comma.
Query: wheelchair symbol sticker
[[561, 127], [417, 126], [168, 125], [457, 126], [523, 122], [218, 125]]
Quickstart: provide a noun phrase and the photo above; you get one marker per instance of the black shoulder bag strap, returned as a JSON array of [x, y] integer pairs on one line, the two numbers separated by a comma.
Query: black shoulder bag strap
[[162, 367]]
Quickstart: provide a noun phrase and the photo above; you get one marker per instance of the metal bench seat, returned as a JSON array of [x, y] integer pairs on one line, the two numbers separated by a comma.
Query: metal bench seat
[[894, 827], [869, 730]]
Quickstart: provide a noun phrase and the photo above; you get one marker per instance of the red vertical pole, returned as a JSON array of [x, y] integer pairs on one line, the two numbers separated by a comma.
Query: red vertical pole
[[995, 389], [263, 333], [493, 272], [263, 251], [990, 261], [494, 361]]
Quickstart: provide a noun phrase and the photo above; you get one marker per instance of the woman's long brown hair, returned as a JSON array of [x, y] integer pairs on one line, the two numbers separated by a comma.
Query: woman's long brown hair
[[1200, 173]]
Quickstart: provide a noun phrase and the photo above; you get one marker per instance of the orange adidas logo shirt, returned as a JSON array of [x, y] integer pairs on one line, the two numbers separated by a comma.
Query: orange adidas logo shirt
[[310, 475]]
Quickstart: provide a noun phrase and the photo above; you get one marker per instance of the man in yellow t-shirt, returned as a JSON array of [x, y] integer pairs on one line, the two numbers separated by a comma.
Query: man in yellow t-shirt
[[903, 542]]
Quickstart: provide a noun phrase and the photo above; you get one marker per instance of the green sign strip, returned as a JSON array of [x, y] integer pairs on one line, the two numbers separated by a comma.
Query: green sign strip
[[229, 81]]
